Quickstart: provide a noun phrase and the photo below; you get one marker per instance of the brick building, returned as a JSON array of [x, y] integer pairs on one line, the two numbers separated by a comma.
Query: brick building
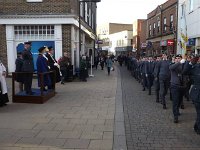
[[105, 30], [161, 28], [139, 36], [46, 22]]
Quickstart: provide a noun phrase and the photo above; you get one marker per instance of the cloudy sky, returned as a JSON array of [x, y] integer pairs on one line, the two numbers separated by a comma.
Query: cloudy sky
[[125, 11]]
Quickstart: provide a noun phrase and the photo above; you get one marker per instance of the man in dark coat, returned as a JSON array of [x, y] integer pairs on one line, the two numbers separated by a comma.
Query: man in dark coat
[[53, 65], [27, 67]]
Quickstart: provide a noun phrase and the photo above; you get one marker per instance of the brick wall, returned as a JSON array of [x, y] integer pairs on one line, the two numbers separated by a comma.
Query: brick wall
[[47, 6], [66, 36], [3, 49]]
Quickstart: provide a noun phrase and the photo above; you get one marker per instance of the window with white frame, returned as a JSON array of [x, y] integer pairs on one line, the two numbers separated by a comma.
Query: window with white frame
[[149, 30], [81, 9], [158, 26], [171, 22], [154, 28], [164, 24], [34, 32], [86, 12]]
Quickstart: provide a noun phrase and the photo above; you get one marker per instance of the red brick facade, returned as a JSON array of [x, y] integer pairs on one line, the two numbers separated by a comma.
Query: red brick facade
[[161, 26]]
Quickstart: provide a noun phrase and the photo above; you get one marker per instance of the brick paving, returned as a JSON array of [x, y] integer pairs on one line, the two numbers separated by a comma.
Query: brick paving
[[149, 127], [105, 113], [80, 116]]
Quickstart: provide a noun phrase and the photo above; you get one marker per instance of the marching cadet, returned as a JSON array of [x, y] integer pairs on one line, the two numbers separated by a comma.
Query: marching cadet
[[193, 69], [176, 85], [149, 67], [142, 71], [164, 78], [156, 78]]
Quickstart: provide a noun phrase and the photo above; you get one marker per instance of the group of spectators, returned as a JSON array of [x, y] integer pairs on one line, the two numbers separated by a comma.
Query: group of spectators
[[180, 75]]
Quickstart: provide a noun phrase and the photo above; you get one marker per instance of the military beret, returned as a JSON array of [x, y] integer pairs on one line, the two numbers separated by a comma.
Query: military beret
[[179, 55], [41, 49], [27, 43]]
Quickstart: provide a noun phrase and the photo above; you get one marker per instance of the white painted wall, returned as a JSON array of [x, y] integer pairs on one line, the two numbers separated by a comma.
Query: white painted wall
[[192, 20]]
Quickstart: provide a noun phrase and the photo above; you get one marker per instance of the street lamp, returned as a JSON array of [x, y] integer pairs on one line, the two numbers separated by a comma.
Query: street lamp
[[82, 1]]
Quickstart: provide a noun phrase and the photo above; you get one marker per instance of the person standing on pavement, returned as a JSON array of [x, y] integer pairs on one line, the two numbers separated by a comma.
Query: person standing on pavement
[[3, 87], [109, 64], [64, 63], [176, 85], [19, 76], [27, 67], [193, 70], [164, 78], [43, 67], [53, 65]]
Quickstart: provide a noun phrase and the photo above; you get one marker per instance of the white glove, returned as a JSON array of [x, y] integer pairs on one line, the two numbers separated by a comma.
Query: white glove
[[55, 64], [49, 67], [182, 61], [146, 75]]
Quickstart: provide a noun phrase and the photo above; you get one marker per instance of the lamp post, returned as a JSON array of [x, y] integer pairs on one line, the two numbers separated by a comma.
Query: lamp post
[[79, 3]]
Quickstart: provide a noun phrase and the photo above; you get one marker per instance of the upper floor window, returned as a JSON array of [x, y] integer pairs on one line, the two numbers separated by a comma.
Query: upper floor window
[[34, 0], [154, 28], [171, 22], [165, 23], [191, 5], [149, 30], [158, 26]]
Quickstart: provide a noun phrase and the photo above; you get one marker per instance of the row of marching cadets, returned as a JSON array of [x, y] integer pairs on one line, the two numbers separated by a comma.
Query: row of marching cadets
[[180, 75]]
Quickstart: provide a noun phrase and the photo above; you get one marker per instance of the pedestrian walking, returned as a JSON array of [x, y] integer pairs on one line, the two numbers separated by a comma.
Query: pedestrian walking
[[3, 86], [109, 64], [83, 69]]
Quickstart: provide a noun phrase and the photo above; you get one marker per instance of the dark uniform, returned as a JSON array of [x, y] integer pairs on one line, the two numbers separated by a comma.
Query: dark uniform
[[156, 80], [164, 78], [149, 67], [28, 68], [193, 69], [176, 87]]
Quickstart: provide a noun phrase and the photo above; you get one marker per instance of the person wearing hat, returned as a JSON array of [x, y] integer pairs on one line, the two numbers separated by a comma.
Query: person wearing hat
[[176, 85], [27, 68], [53, 65], [19, 77], [42, 67]]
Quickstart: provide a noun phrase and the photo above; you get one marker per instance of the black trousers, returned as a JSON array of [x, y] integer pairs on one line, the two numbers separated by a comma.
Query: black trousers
[[164, 85], [197, 123], [177, 97], [28, 82]]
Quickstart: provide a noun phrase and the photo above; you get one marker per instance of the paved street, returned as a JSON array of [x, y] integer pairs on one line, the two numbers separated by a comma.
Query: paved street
[[149, 127], [80, 116], [90, 116]]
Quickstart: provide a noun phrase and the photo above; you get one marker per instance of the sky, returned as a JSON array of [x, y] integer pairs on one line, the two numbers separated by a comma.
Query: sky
[[125, 11]]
